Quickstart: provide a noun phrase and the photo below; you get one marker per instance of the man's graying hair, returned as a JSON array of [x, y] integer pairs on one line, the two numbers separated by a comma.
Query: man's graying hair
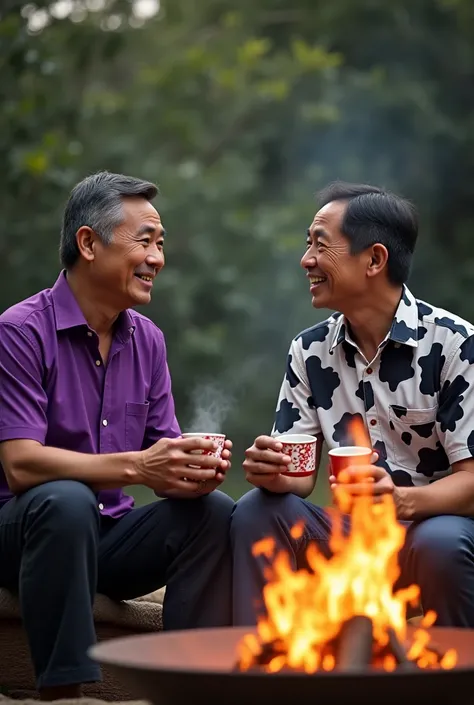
[[97, 202]]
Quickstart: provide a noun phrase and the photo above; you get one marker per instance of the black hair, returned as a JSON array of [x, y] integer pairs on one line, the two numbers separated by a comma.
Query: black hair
[[372, 216]]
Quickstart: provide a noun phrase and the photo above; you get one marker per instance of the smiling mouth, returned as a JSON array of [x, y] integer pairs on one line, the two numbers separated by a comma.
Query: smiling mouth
[[316, 280], [144, 277]]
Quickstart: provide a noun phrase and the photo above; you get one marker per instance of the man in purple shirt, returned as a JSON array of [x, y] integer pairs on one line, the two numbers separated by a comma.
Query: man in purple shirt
[[86, 409]]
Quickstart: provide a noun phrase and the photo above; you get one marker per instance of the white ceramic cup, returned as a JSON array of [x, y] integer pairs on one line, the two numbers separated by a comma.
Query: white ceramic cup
[[218, 438], [301, 448]]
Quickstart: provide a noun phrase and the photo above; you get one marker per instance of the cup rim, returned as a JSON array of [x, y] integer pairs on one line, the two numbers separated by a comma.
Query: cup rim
[[349, 451], [196, 434], [295, 438]]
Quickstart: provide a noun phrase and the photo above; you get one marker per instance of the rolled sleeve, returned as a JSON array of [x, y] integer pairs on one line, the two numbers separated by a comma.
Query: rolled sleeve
[[23, 401], [455, 416], [161, 420], [295, 411]]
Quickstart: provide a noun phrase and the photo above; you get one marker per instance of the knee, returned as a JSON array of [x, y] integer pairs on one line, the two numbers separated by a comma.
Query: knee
[[443, 541], [218, 510], [69, 505], [257, 513]]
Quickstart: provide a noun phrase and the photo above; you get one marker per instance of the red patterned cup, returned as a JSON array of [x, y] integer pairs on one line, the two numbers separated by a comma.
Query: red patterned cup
[[302, 450], [347, 456], [218, 438]]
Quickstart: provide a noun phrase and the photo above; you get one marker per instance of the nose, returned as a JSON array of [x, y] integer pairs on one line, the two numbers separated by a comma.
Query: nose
[[308, 261], [155, 257]]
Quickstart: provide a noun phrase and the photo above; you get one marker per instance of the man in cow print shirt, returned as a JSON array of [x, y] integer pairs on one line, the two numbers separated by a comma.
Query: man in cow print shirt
[[403, 366]]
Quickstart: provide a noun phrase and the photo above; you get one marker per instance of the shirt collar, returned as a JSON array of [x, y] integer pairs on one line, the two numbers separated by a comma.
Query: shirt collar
[[404, 328], [69, 315]]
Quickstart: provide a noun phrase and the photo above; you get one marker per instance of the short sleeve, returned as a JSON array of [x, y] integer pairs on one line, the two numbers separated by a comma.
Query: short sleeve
[[161, 420], [295, 409], [455, 415], [23, 401]]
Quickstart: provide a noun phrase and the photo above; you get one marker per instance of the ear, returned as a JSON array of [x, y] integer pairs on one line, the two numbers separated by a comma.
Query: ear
[[86, 242], [378, 259]]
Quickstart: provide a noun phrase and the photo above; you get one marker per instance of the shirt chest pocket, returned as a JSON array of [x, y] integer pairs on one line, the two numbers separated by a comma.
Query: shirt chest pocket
[[412, 430], [136, 415]]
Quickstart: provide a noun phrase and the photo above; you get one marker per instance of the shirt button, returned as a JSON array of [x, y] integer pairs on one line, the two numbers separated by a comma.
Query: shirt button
[[97, 362], [101, 506], [89, 333], [397, 345], [104, 422], [369, 370], [373, 422]]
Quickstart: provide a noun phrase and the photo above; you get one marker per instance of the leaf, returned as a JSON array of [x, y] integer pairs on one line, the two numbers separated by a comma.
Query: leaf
[[36, 162], [250, 53]]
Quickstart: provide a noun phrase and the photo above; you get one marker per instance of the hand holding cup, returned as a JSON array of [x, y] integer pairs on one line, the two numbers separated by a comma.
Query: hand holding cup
[[353, 473], [183, 463], [264, 461], [222, 450]]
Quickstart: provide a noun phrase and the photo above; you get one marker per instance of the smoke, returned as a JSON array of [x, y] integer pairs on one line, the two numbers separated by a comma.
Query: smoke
[[210, 408]]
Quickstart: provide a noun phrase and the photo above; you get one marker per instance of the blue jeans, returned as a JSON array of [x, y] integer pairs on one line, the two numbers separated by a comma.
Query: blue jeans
[[438, 555], [56, 550]]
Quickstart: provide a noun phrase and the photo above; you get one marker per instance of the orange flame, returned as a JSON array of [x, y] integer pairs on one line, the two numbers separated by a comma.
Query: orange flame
[[359, 433], [307, 608]]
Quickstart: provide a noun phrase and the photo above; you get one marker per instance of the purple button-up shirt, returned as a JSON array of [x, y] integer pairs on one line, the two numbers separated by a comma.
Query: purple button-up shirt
[[55, 389]]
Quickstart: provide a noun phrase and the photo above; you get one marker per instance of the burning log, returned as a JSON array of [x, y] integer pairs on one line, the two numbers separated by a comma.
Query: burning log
[[396, 648], [269, 651], [353, 649], [354, 644]]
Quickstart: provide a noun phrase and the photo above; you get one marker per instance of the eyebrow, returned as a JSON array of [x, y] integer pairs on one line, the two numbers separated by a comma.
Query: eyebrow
[[150, 230], [318, 231]]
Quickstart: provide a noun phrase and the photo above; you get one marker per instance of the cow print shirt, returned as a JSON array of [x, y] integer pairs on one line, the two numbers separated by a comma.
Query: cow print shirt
[[416, 396]]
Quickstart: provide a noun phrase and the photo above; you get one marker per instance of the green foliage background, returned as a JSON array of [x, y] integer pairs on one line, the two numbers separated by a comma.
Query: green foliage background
[[240, 112]]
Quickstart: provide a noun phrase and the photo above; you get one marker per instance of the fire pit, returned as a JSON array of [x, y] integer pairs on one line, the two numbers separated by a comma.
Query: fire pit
[[198, 668], [335, 631]]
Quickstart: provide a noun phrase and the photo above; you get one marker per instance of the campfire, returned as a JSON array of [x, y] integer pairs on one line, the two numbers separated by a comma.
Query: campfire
[[342, 613], [335, 631]]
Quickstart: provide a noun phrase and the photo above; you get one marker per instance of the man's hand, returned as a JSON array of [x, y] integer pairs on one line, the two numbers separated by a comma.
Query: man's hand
[[165, 466], [264, 464], [363, 480], [209, 486]]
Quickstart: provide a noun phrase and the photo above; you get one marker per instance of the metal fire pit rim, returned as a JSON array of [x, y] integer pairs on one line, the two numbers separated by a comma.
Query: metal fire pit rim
[[95, 653]]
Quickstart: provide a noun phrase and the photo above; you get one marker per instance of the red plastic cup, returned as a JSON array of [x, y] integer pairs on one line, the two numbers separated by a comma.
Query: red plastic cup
[[347, 456], [302, 450]]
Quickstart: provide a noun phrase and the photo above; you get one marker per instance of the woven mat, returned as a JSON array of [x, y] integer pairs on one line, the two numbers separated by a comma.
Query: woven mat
[[142, 614], [4, 700]]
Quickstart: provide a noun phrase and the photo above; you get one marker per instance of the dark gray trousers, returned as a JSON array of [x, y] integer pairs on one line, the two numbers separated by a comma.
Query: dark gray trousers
[[57, 551], [438, 555]]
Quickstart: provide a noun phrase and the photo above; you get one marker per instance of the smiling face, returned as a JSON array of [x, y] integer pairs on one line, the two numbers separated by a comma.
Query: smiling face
[[123, 271], [336, 276]]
